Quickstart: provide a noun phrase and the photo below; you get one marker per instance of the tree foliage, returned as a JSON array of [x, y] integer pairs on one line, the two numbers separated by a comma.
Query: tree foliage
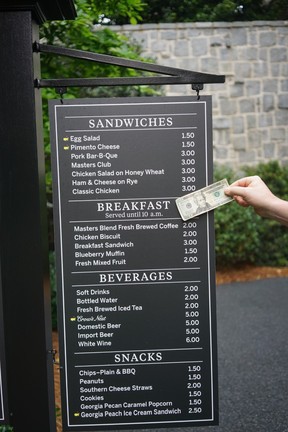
[[87, 33], [157, 11]]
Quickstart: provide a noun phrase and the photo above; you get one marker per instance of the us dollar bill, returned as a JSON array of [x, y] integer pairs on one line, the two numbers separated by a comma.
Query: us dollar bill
[[203, 200]]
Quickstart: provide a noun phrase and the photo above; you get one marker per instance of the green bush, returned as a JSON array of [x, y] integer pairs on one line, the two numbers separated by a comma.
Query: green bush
[[274, 175], [241, 235], [237, 238]]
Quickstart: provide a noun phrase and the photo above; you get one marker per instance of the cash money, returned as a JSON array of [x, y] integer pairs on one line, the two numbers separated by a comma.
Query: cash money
[[203, 200]]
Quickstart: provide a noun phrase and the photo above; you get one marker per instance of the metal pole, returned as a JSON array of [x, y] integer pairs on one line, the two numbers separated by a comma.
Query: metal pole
[[23, 233]]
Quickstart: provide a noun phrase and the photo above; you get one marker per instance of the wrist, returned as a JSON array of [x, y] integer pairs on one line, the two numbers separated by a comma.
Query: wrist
[[279, 211]]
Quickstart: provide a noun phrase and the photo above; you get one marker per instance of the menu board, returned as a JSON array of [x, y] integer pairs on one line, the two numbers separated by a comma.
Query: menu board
[[136, 284]]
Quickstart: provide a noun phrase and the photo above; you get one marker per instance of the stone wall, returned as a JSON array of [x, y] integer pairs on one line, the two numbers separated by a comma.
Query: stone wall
[[250, 111]]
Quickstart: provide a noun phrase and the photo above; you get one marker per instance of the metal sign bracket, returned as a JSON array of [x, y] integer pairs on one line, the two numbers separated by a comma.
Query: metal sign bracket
[[171, 75]]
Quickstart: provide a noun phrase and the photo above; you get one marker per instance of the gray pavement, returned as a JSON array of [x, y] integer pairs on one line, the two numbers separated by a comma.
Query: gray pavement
[[252, 357]]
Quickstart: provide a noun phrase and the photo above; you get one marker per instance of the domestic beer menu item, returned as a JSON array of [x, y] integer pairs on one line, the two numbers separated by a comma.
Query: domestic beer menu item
[[136, 284]]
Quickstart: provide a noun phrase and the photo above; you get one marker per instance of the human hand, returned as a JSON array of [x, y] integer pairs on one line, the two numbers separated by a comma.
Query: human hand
[[252, 191]]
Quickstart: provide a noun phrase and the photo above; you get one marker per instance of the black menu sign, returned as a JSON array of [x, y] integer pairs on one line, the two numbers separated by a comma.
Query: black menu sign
[[136, 283]]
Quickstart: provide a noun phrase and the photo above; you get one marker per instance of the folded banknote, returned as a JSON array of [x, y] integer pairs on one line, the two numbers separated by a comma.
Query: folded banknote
[[203, 200]]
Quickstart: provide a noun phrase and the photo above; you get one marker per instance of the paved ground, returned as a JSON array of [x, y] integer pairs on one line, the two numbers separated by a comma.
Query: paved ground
[[253, 357]]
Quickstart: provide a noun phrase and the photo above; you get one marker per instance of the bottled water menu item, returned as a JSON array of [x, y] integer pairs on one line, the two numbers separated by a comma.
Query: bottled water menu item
[[136, 284]]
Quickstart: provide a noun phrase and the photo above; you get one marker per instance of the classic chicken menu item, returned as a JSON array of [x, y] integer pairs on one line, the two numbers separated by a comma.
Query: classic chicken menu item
[[136, 284]]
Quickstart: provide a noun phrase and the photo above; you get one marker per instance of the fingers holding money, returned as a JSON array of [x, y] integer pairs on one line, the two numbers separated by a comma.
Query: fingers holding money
[[249, 191], [240, 200], [203, 200], [245, 181]]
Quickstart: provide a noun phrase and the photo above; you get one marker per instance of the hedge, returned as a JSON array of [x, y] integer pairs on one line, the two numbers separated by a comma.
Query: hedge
[[244, 237]]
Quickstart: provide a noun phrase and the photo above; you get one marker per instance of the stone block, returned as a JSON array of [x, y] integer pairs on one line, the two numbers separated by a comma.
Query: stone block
[[246, 157], [227, 54], [239, 143], [277, 134], [275, 69], [265, 134], [242, 70], [253, 38], [281, 118], [221, 123], [250, 53], [222, 138], [267, 38], [238, 37], [284, 69], [237, 90], [270, 86], [265, 120], [221, 152], [268, 102], [140, 39], [199, 47], [284, 85], [193, 33], [164, 26], [168, 35], [181, 48], [282, 151], [253, 87], [228, 107], [278, 54], [260, 69], [188, 63], [159, 46], [238, 125], [210, 65], [226, 67], [251, 121], [283, 101], [269, 151], [263, 54], [283, 39], [254, 139], [154, 35], [247, 105]]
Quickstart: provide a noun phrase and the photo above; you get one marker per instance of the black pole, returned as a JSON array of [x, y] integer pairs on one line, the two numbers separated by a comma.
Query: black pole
[[23, 233]]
